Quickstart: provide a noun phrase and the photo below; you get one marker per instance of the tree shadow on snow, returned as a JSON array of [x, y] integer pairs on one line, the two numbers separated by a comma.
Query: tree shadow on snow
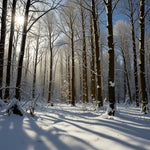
[[22, 133]]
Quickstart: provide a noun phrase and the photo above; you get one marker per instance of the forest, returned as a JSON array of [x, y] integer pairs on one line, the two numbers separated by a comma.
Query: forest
[[76, 51], [77, 71]]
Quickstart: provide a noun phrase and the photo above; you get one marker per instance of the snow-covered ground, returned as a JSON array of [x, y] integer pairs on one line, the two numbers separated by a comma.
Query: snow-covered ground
[[63, 127]]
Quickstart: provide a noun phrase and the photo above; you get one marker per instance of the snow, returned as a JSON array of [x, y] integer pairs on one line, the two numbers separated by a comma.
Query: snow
[[112, 84], [63, 127]]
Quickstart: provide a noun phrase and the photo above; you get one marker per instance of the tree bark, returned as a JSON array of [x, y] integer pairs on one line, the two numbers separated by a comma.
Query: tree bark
[[44, 78], [68, 79], [92, 64], [2, 42], [144, 99], [85, 86], [8, 73], [111, 83], [98, 66], [50, 74], [135, 56], [73, 66], [21, 55], [35, 68]]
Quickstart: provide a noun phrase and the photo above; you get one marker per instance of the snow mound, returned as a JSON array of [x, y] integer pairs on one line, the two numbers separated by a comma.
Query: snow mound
[[2, 103], [14, 107]]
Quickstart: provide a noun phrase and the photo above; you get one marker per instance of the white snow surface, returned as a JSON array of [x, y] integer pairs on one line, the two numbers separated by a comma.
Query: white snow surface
[[64, 127], [112, 84]]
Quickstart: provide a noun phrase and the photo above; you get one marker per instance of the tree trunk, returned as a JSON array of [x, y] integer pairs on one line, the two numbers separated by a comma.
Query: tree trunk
[[85, 86], [135, 57], [125, 89], [68, 79], [8, 75], [50, 74], [21, 55], [44, 78], [127, 76], [73, 66], [111, 84], [35, 68], [2, 42], [14, 55], [28, 59], [98, 66], [92, 63], [144, 99]]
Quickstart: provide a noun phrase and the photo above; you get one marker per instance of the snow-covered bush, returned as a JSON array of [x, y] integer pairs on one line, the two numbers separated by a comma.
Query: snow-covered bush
[[14, 108]]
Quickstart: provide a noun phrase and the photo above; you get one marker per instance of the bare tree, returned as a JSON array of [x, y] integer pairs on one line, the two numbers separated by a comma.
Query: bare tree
[[98, 66], [2, 42], [8, 74], [84, 55], [69, 17], [134, 51], [52, 37], [144, 98], [93, 94], [130, 12], [121, 30], [20, 61], [36, 61], [24, 34], [111, 83]]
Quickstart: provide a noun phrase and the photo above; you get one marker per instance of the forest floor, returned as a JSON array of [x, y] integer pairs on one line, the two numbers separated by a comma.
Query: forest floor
[[63, 127]]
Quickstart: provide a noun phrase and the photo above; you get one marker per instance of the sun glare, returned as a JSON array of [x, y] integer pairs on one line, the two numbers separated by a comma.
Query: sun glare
[[19, 20]]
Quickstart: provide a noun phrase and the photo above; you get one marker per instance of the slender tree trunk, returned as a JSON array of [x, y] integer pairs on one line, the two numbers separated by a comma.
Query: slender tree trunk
[[28, 59], [44, 78], [98, 66], [8, 75], [2, 42], [135, 57], [127, 76], [73, 67], [125, 89], [85, 86], [80, 76], [50, 74], [68, 78], [111, 83], [92, 63], [144, 99], [61, 76], [35, 68], [21, 55], [14, 55]]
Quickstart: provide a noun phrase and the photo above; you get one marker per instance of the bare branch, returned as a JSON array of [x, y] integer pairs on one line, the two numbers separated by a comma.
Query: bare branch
[[52, 8], [115, 5]]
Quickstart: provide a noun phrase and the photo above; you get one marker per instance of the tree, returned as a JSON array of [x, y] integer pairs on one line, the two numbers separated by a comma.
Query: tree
[[36, 61], [21, 55], [52, 37], [92, 62], [144, 98], [69, 17], [8, 74], [98, 66], [131, 8], [2, 42], [24, 34], [85, 84], [121, 30], [111, 83]]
